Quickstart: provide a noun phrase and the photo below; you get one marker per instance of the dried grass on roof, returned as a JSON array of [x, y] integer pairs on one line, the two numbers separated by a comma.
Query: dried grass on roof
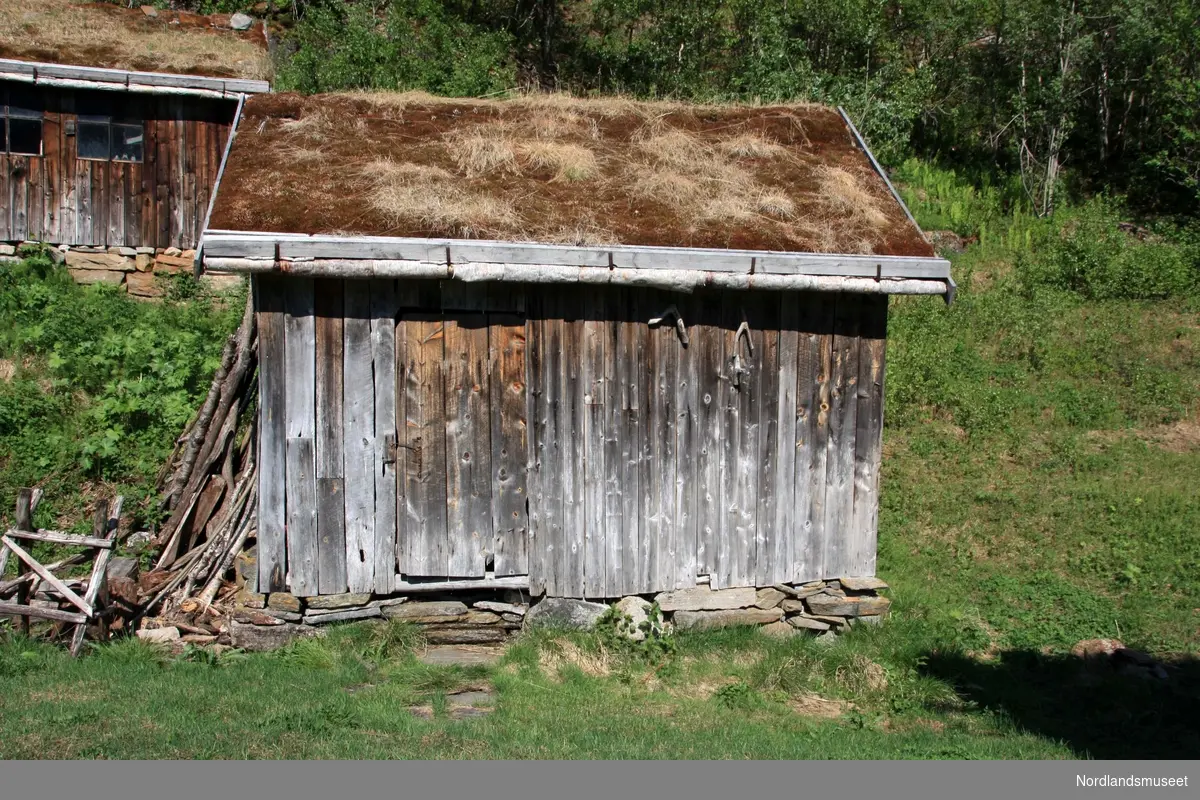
[[103, 35], [557, 169]]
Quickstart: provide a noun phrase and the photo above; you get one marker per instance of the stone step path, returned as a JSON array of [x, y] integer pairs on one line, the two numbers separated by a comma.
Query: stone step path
[[461, 655]]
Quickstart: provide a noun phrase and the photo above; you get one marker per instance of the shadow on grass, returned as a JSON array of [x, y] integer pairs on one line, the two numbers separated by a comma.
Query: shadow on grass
[[1093, 709]]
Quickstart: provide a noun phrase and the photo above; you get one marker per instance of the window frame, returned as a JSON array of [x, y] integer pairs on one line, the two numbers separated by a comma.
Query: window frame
[[26, 114], [112, 124]]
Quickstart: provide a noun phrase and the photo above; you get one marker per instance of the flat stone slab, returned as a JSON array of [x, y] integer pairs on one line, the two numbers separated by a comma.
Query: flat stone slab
[[869, 584], [769, 597], [828, 605], [808, 623], [338, 601], [471, 698], [467, 712], [702, 620], [436, 611], [457, 655], [464, 634], [702, 598], [501, 608]]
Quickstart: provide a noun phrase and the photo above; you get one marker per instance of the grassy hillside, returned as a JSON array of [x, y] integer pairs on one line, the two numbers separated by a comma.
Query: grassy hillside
[[1042, 453]]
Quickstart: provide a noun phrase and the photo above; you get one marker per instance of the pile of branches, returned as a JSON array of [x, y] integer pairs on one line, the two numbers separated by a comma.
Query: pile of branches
[[209, 485]]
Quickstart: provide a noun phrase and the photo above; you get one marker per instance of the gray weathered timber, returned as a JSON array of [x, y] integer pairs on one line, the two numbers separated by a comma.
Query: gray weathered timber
[[300, 425], [331, 507], [687, 401], [269, 294], [358, 436], [708, 353], [839, 484], [787, 525], [383, 357], [816, 350], [468, 451], [302, 509], [594, 402], [108, 79], [862, 532], [547, 564], [663, 351], [767, 544], [536, 416], [573, 412], [630, 411], [642, 308], [424, 434], [610, 434], [509, 442]]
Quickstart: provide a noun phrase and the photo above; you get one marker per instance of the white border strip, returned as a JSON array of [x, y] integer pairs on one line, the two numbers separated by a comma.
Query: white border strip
[[71, 76]]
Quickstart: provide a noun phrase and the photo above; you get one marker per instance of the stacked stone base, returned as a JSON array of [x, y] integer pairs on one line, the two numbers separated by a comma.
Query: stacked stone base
[[260, 622], [133, 269]]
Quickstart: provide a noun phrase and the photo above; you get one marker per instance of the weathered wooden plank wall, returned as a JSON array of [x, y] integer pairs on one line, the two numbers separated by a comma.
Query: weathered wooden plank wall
[[59, 198], [461, 430]]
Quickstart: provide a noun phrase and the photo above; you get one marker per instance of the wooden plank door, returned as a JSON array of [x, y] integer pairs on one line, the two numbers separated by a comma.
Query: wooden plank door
[[462, 444]]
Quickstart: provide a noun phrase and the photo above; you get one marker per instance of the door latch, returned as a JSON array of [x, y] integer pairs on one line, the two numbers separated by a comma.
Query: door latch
[[737, 369]]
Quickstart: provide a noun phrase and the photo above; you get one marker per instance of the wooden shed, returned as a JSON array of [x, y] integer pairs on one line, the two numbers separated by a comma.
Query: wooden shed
[[98, 148], [592, 348]]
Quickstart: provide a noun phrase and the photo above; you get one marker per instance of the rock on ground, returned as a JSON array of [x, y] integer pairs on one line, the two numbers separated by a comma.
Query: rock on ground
[[635, 618], [261, 638], [847, 606], [562, 612], [431, 611]]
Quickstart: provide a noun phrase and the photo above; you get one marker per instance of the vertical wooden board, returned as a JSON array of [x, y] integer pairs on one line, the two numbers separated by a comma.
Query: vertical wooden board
[[115, 234], [665, 344], [645, 382], [741, 422], [331, 508], [630, 381], [18, 177], [594, 394], [839, 491], [612, 421], [358, 433], [175, 176], [535, 413], [383, 349], [468, 450], [786, 525], [68, 161], [510, 443], [708, 345], [766, 539], [162, 177], [300, 425], [99, 202], [51, 170], [553, 450], [812, 389], [37, 200], [424, 553], [868, 437], [5, 216], [572, 414], [687, 444], [269, 295], [301, 517]]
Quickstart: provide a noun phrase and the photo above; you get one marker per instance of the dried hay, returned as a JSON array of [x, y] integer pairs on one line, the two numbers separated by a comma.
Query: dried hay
[[430, 196], [561, 653], [813, 705], [96, 35]]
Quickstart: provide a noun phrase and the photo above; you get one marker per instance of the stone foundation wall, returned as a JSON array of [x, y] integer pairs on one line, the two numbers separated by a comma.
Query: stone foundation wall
[[134, 269], [820, 608]]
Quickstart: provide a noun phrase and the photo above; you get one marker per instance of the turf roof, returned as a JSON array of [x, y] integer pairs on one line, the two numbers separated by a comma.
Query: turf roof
[[110, 36], [548, 168]]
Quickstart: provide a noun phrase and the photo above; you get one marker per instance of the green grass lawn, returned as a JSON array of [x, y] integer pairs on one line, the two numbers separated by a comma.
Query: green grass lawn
[[1042, 458]]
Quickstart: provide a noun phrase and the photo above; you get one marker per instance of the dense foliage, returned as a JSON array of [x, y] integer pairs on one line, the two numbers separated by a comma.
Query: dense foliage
[[1094, 93], [97, 385]]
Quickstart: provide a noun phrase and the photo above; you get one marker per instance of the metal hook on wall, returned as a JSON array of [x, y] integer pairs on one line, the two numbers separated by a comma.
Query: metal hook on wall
[[738, 370], [680, 326]]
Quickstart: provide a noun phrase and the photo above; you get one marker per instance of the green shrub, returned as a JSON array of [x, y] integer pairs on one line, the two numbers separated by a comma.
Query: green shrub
[[1092, 255]]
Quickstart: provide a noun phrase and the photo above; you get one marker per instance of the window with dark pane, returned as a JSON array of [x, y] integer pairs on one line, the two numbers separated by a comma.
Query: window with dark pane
[[127, 142], [92, 137], [22, 122]]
